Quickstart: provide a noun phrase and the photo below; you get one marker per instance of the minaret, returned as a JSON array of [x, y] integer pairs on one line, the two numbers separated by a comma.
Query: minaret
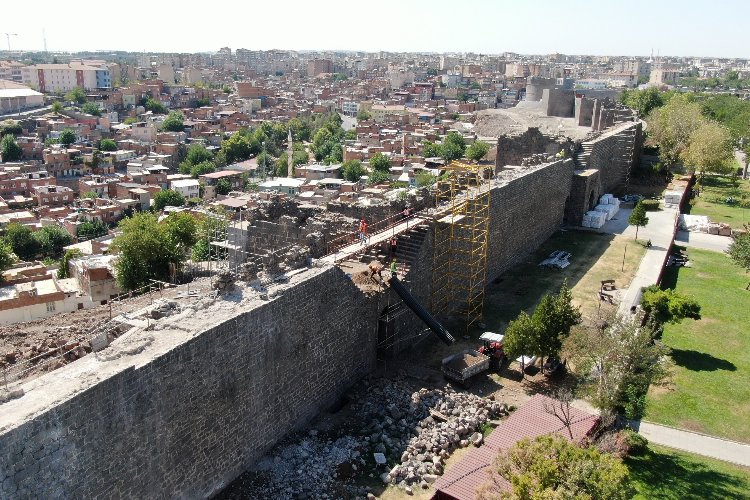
[[289, 155]]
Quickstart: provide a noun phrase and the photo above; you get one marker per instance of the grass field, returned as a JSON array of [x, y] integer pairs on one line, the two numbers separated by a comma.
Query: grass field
[[663, 473], [711, 384], [595, 257], [711, 201]]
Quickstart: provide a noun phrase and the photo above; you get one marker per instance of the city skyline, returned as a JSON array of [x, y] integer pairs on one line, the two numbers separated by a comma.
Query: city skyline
[[576, 27]]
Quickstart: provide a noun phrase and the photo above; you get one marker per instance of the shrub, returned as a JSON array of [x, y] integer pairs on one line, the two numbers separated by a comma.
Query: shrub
[[650, 205], [636, 444]]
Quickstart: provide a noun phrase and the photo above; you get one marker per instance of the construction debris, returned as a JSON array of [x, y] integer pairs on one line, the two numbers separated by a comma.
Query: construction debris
[[390, 423]]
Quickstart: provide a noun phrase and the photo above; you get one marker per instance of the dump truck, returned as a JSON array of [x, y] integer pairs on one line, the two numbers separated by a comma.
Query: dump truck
[[462, 366]]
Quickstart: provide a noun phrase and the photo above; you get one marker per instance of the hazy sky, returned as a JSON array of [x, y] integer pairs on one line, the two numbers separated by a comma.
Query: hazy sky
[[604, 27]]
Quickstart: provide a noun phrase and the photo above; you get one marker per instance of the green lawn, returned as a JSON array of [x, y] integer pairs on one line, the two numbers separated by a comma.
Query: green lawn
[[670, 474], [711, 384], [711, 202], [594, 257]]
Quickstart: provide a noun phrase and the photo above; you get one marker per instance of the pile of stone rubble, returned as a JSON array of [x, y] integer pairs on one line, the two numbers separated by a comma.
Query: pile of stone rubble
[[394, 432]]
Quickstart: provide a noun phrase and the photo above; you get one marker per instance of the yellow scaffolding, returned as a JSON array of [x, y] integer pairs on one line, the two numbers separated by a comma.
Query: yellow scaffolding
[[462, 224]]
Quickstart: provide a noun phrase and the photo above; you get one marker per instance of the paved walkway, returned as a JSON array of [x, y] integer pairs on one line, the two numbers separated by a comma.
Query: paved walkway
[[700, 444], [705, 241], [659, 230]]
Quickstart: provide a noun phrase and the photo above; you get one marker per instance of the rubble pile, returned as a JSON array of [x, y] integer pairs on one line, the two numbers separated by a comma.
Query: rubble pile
[[537, 159], [396, 433], [452, 420]]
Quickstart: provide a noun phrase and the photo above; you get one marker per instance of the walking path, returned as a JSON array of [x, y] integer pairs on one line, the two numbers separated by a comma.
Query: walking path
[[659, 230], [700, 444], [679, 439], [705, 241]]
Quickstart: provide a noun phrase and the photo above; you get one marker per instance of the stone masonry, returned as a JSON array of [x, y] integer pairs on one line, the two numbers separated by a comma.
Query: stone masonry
[[188, 421], [198, 401]]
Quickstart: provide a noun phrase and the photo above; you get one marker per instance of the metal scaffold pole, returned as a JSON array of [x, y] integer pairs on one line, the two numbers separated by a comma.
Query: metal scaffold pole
[[461, 242]]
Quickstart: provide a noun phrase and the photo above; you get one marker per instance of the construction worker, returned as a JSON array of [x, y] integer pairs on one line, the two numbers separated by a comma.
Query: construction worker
[[362, 231], [394, 268], [376, 268], [393, 246]]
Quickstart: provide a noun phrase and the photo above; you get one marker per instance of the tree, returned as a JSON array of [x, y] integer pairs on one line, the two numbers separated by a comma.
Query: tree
[[709, 150], [63, 271], [431, 150], [168, 198], [363, 115], [552, 467], [57, 107], [10, 127], [174, 122], [21, 240], [620, 361], [739, 251], [91, 229], [644, 101], [300, 129], [554, 317], [477, 150], [638, 217], [107, 145], [91, 108], [453, 146], [425, 179], [182, 229], [67, 137], [10, 149], [154, 106], [378, 177], [223, 187], [668, 306], [352, 170], [381, 162], [672, 125], [521, 337], [6, 257], [202, 168], [239, 147], [51, 240], [145, 251], [76, 95], [197, 153]]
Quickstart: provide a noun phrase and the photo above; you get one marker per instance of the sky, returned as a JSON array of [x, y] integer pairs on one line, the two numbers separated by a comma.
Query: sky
[[604, 27]]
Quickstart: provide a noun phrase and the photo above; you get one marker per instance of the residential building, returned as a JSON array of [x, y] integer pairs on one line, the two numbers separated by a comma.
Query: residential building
[[65, 77]]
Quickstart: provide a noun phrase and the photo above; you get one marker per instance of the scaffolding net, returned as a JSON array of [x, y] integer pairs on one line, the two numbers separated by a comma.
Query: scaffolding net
[[461, 226]]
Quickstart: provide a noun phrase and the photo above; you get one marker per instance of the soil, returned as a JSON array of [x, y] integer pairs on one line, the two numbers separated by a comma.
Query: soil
[[32, 348]]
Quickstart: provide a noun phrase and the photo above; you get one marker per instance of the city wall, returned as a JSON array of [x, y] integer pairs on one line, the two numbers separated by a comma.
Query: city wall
[[185, 413], [186, 421]]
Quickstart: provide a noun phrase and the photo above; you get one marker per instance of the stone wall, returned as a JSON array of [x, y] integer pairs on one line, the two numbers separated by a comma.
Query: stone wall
[[512, 149], [184, 416], [611, 154], [559, 102], [190, 420], [522, 217]]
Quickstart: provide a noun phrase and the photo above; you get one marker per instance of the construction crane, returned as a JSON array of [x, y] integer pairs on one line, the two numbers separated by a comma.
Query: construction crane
[[7, 37]]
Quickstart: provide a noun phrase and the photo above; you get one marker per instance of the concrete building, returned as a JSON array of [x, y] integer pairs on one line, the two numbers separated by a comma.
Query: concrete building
[[65, 77], [189, 188], [15, 97], [318, 67]]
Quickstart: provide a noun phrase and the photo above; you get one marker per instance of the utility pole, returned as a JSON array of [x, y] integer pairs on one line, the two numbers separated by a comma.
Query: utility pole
[[7, 38]]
